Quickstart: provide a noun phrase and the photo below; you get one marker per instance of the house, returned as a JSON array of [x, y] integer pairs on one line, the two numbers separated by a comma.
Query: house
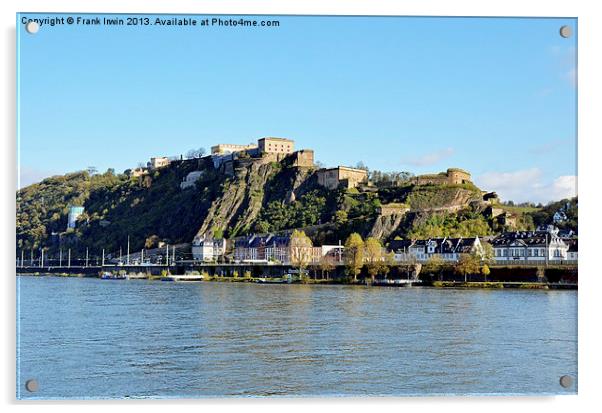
[[276, 249], [278, 146], [572, 251], [136, 172], [228, 148], [262, 248], [191, 179], [448, 249], [208, 249], [530, 246], [453, 176], [559, 216], [158, 162], [332, 178]]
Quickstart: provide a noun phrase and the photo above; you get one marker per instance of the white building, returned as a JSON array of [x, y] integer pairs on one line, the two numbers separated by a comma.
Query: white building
[[191, 179], [158, 162], [530, 246], [448, 249], [74, 213], [208, 249]]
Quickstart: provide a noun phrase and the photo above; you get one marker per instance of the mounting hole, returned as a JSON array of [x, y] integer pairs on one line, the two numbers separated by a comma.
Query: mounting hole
[[32, 385], [566, 31], [32, 27], [566, 381]]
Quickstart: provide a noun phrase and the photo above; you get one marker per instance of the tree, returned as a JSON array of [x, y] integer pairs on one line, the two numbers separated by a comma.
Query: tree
[[373, 256], [361, 165], [354, 255], [151, 242], [195, 153], [468, 264], [485, 271], [340, 217], [300, 250], [434, 265], [487, 256], [327, 264], [389, 262]]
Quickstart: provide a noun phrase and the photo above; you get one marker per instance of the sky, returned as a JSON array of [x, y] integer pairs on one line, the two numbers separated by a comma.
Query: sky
[[494, 96]]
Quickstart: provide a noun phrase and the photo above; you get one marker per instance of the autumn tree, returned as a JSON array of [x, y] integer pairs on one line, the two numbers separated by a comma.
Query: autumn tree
[[373, 256], [300, 251], [327, 264], [468, 264], [434, 265], [354, 255]]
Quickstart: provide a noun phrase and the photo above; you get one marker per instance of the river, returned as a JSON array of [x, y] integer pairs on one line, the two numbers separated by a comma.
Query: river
[[89, 338]]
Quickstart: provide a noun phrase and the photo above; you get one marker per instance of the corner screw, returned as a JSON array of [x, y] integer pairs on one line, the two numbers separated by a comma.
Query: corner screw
[[566, 381], [566, 31], [32, 385]]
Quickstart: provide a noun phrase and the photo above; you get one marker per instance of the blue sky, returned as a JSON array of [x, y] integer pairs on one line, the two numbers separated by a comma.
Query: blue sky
[[493, 96]]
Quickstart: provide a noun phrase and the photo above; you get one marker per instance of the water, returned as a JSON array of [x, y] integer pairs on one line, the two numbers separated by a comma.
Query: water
[[88, 338]]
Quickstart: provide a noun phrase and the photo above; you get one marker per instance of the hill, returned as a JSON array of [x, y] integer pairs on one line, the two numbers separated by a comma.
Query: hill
[[259, 195]]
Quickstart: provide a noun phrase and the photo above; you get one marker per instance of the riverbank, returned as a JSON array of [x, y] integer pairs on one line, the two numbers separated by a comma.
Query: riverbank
[[311, 281]]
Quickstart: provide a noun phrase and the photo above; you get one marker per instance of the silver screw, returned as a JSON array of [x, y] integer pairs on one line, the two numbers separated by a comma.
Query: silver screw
[[566, 31], [566, 381], [32, 385], [32, 27]]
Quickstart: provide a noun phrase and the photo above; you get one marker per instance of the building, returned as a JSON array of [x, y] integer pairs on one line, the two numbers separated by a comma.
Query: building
[[159, 162], [453, 176], [136, 172], [191, 179], [448, 249], [530, 246], [279, 146], [228, 148], [333, 178], [276, 249], [572, 251], [208, 249], [74, 214], [491, 198], [262, 248], [303, 158]]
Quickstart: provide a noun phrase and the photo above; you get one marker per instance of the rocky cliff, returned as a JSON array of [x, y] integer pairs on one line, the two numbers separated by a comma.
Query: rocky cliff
[[256, 195]]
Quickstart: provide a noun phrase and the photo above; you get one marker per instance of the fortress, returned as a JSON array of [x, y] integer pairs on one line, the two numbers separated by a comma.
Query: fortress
[[453, 176]]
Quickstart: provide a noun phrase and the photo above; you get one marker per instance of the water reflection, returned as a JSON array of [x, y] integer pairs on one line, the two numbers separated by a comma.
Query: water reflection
[[92, 338]]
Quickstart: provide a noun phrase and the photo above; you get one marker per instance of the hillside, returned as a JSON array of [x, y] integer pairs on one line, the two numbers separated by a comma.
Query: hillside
[[259, 196]]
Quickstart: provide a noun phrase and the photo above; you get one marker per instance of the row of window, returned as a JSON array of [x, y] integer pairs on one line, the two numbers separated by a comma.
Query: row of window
[[522, 252]]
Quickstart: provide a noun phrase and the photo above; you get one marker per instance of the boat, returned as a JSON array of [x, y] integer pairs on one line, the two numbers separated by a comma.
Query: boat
[[110, 276]]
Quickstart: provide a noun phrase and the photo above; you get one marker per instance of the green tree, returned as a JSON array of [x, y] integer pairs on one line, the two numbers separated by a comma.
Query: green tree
[[340, 217], [373, 257], [354, 255]]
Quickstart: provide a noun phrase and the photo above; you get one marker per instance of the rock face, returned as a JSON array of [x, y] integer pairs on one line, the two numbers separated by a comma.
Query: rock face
[[385, 225], [241, 200], [243, 196]]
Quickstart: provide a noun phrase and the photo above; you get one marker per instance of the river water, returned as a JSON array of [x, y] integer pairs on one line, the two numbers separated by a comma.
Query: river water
[[89, 338]]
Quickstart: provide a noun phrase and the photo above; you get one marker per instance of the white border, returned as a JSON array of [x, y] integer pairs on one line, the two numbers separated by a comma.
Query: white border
[[589, 154]]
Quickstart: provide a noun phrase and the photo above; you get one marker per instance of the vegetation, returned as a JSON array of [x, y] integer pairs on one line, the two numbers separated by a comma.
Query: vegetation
[[373, 257], [300, 246], [354, 255], [468, 264], [449, 225]]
